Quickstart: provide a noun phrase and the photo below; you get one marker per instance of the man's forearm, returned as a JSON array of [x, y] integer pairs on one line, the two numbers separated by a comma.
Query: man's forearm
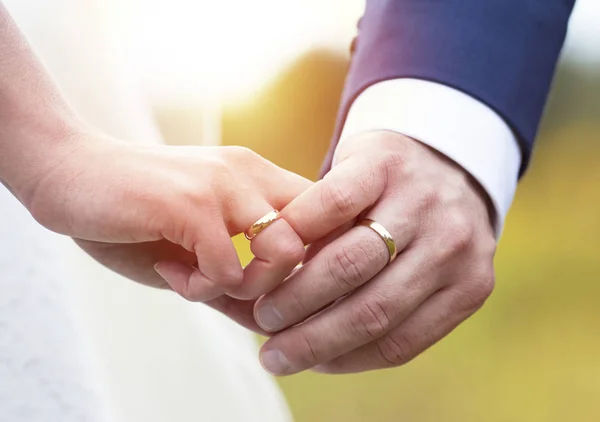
[[35, 120], [500, 52]]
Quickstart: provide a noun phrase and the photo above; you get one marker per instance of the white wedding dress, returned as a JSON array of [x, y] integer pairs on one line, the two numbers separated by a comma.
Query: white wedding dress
[[79, 343]]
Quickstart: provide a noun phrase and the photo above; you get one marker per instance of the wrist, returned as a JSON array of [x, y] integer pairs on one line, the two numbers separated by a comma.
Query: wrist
[[41, 176], [30, 153]]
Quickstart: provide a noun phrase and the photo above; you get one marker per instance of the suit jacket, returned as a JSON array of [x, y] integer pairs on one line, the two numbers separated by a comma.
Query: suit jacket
[[501, 52]]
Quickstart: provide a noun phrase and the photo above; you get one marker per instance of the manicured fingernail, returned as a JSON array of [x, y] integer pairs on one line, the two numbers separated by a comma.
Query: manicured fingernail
[[268, 317], [275, 362], [157, 269]]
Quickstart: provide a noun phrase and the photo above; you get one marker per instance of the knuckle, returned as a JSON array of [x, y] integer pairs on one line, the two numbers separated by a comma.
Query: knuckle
[[44, 215], [370, 320], [486, 284], [185, 294], [229, 169], [346, 267], [220, 178], [337, 199], [430, 197], [394, 161], [458, 235], [191, 296], [395, 349], [190, 190], [489, 246], [239, 153], [198, 194], [214, 163], [182, 233], [230, 276], [183, 291], [187, 291], [466, 223], [374, 176], [297, 304], [308, 350], [474, 295], [289, 251], [460, 224]]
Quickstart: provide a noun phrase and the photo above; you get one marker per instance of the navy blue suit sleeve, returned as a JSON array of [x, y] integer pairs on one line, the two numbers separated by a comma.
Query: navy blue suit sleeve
[[501, 52]]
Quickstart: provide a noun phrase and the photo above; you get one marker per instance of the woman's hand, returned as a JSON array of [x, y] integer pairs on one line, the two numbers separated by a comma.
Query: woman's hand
[[135, 207]]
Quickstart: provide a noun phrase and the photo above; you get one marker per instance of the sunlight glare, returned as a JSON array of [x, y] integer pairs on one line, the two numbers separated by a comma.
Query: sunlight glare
[[228, 49]]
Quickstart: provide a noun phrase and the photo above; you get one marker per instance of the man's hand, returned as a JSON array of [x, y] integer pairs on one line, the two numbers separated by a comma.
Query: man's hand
[[346, 309]]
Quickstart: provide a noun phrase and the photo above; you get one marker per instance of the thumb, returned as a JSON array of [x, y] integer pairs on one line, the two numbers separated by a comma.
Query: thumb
[[346, 191]]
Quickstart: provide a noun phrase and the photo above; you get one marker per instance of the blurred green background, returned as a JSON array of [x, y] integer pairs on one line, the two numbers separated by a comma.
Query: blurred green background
[[533, 352]]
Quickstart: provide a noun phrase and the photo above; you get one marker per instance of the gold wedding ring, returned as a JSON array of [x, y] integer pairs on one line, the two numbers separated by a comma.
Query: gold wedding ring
[[384, 234], [262, 224]]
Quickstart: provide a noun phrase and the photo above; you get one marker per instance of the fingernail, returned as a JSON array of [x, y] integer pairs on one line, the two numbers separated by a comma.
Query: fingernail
[[157, 269], [268, 317], [321, 369], [275, 362]]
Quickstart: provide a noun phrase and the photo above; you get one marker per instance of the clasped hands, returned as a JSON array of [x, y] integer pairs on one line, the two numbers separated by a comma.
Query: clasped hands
[[144, 211]]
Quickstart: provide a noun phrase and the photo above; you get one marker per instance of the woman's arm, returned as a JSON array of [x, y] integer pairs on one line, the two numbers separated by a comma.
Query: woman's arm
[[36, 123]]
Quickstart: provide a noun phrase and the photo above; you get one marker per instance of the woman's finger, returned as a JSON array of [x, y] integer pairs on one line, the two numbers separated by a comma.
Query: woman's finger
[[242, 201], [277, 250], [218, 266], [239, 311], [187, 281]]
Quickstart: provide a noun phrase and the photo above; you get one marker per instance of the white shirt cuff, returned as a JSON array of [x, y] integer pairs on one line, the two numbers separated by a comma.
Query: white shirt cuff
[[450, 121]]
